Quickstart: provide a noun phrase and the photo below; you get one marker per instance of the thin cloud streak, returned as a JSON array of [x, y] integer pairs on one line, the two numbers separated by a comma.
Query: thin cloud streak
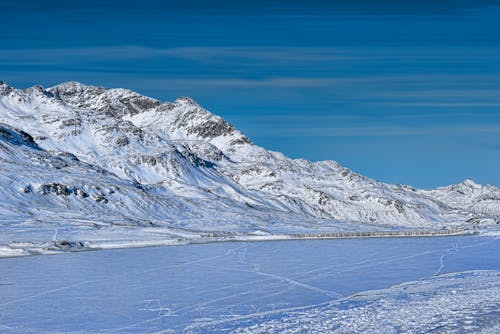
[[439, 93], [468, 104], [377, 83], [277, 55], [281, 54], [381, 131], [115, 79], [99, 53], [278, 82]]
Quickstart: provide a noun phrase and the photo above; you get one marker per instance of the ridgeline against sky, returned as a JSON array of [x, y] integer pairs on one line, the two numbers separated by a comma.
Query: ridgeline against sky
[[402, 91]]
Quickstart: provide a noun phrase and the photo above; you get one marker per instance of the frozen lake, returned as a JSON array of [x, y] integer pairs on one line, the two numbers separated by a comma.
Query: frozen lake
[[155, 289]]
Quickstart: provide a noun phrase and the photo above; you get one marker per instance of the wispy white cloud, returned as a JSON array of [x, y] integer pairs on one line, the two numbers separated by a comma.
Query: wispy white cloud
[[271, 82], [375, 86], [117, 79], [447, 93], [258, 54], [464, 104], [97, 53], [93, 53], [383, 131], [301, 117], [276, 54]]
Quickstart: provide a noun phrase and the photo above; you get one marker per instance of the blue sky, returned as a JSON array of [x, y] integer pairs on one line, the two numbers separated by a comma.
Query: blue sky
[[401, 91]]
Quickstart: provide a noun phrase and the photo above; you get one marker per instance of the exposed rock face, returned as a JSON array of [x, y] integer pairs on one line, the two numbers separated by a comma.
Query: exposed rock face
[[113, 155], [116, 102], [16, 137]]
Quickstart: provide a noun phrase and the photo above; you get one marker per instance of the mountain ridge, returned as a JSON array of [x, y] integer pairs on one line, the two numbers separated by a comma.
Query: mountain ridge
[[180, 155]]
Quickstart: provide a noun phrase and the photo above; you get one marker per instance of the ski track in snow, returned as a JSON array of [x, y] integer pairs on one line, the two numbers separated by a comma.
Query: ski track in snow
[[455, 249], [291, 281], [51, 291], [449, 252], [378, 311], [238, 303]]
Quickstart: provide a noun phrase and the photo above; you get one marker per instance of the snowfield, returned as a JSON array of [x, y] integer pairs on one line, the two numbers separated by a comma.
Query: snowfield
[[466, 302], [86, 167], [374, 285]]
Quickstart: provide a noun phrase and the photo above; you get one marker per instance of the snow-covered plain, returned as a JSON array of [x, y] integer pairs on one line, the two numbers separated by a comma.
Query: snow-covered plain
[[312, 286]]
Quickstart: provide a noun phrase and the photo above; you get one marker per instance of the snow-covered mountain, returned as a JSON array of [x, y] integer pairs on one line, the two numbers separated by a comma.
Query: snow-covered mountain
[[78, 161]]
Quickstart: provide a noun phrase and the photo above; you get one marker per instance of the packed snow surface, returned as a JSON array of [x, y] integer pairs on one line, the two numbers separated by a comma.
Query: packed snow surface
[[466, 302], [86, 167], [395, 285]]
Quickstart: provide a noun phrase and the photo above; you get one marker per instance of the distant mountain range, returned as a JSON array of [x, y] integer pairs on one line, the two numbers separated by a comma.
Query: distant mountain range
[[85, 163]]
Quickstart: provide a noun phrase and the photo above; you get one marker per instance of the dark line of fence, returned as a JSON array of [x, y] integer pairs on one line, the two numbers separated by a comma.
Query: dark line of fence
[[379, 234]]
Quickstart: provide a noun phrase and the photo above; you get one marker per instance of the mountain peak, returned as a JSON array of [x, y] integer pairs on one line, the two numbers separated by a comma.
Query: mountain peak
[[113, 101], [74, 85], [187, 101], [470, 183], [4, 88], [73, 88], [38, 90]]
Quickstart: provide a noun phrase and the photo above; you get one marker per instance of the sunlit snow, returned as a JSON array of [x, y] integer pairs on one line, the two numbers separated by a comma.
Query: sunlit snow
[[280, 286], [86, 167]]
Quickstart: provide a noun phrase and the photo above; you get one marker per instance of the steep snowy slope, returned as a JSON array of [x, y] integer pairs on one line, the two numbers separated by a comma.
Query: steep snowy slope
[[481, 200], [140, 162], [50, 198]]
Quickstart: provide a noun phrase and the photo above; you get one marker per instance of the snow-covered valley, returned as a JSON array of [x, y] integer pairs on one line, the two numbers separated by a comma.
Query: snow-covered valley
[[85, 167]]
